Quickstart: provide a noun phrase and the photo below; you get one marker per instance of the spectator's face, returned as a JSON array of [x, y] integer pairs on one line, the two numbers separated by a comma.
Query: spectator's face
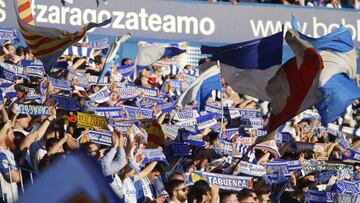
[[154, 175], [264, 198], [11, 50], [24, 122], [181, 192], [93, 150], [128, 62], [10, 139], [230, 199]]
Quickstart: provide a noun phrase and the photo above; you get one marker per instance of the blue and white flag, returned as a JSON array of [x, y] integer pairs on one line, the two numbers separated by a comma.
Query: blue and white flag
[[81, 180], [201, 89], [63, 102], [336, 80], [79, 51], [148, 55], [60, 84], [112, 52], [99, 44], [225, 182], [255, 54]]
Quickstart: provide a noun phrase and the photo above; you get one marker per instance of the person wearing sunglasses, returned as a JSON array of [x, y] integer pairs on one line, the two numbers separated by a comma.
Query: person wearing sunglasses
[[177, 191]]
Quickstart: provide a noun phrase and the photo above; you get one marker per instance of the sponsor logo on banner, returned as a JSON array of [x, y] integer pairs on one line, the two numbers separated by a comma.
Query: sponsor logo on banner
[[226, 182], [90, 120], [33, 110], [98, 137]]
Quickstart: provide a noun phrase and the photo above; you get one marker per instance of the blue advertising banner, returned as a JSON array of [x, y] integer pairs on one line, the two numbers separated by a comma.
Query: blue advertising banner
[[156, 19]]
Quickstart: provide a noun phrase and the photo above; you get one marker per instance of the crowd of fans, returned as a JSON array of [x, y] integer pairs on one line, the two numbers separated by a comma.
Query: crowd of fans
[[29, 144]]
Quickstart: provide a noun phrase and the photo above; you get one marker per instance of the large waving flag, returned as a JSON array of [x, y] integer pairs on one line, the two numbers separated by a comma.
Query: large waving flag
[[337, 79], [112, 53], [47, 44], [147, 55], [201, 88], [291, 87], [260, 53]]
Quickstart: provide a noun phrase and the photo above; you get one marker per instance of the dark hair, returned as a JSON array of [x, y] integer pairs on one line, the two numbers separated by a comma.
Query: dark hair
[[203, 186], [171, 185], [97, 60], [195, 194], [50, 143], [123, 61], [175, 173], [86, 147], [226, 193], [243, 194], [159, 168], [2, 53], [20, 51], [203, 60]]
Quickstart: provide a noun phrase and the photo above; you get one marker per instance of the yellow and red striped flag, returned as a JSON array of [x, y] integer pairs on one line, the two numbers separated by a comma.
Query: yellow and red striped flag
[[47, 44]]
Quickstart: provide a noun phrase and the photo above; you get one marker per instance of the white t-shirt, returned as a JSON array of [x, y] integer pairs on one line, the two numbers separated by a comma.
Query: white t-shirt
[[8, 190], [129, 190]]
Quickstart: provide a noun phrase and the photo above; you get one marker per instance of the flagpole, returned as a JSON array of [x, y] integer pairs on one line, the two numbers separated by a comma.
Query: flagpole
[[222, 102]]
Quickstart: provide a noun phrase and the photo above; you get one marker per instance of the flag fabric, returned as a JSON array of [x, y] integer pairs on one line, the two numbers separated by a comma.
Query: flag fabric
[[260, 53], [291, 87], [336, 81], [77, 178], [148, 55], [294, 88], [79, 51], [112, 53], [201, 88], [47, 44]]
